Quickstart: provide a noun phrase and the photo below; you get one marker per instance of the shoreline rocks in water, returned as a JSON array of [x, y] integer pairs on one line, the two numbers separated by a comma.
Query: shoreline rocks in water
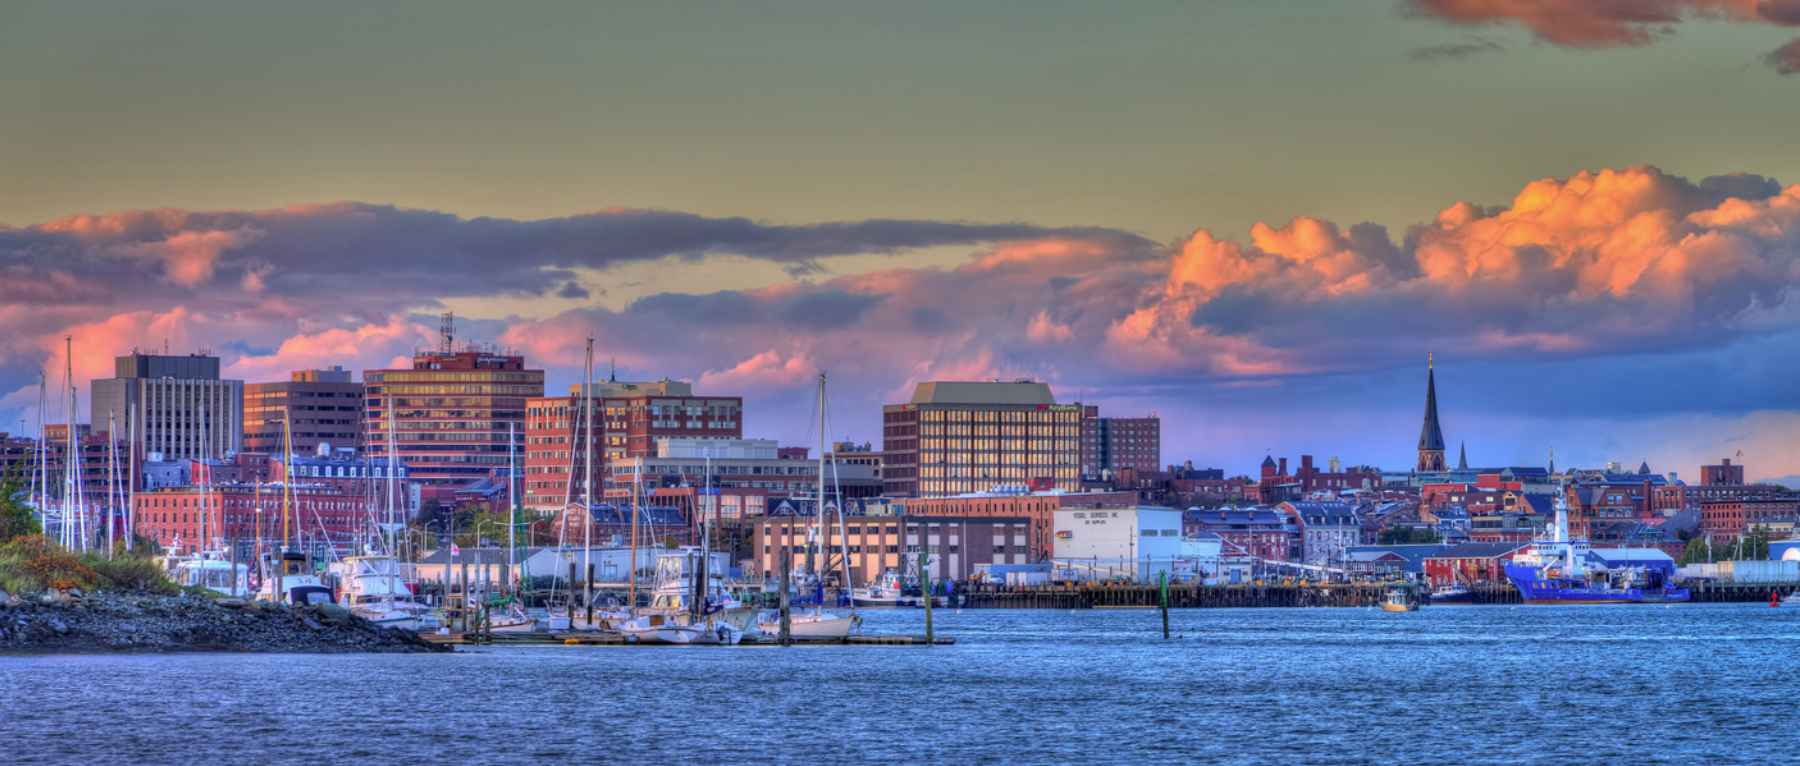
[[106, 622]]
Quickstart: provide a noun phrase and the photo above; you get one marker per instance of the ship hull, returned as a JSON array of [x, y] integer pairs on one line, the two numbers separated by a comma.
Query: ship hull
[[1535, 588]]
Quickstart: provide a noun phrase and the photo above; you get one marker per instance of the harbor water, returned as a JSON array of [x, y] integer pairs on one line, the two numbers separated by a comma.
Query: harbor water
[[1698, 683]]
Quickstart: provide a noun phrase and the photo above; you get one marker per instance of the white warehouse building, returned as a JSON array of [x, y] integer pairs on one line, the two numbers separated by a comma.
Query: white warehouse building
[[1110, 543]]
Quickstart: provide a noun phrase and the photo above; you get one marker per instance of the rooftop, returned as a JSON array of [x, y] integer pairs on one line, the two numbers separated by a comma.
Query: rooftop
[[1022, 392]]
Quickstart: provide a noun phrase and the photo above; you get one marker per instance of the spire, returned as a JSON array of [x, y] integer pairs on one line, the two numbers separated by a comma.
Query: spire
[[1462, 456], [1552, 461], [1431, 437]]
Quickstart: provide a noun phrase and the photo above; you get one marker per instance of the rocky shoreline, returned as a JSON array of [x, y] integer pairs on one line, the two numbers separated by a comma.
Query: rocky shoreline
[[105, 623]]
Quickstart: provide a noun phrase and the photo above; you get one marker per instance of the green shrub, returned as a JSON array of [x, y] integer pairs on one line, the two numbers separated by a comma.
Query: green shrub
[[132, 574], [33, 564]]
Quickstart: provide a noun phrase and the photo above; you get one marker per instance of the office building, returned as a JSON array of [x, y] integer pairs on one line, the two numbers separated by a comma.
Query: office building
[[956, 437], [181, 407], [319, 406]]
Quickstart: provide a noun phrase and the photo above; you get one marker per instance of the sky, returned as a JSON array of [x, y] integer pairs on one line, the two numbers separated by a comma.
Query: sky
[[1254, 219]]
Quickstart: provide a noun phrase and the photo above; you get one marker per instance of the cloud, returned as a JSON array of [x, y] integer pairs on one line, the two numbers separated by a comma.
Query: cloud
[[1578, 286], [1785, 59], [1593, 24], [1474, 46]]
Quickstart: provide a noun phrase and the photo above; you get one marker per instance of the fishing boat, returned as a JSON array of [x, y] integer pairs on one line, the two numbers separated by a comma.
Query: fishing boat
[[289, 579], [1454, 593], [374, 588], [210, 570], [1561, 570], [1398, 599], [886, 590]]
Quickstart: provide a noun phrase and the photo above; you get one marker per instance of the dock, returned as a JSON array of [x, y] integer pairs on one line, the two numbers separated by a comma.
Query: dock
[[1130, 596], [614, 639]]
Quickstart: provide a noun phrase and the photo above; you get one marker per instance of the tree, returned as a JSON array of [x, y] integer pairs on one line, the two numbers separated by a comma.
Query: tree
[[17, 519], [1409, 536], [1695, 552]]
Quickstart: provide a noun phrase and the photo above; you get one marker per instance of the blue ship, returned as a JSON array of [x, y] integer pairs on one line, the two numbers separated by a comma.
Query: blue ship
[[1564, 571]]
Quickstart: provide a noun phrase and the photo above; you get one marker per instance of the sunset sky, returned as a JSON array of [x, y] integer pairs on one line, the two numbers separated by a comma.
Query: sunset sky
[[1252, 218]]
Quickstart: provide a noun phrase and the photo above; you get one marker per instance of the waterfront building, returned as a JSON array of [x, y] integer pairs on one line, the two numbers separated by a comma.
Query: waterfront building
[[181, 407], [1039, 508], [1255, 532], [1730, 517], [321, 518], [629, 420], [1326, 530], [960, 546], [1138, 544], [316, 406], [956, 437], [1471, 564], [727, 479], [452, 412], [657, 525]]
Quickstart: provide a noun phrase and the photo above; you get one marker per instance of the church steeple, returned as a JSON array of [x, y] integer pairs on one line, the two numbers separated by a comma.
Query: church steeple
[[1462, 456], [1431, 437]]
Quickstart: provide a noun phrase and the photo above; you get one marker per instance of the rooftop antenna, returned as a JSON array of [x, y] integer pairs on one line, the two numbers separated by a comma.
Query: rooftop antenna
[[447, 330]]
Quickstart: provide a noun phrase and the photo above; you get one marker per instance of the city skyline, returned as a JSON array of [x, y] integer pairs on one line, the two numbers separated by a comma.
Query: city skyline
[[1150, 212]]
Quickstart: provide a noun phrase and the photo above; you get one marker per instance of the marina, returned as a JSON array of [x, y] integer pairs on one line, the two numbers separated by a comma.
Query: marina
[[1090, 686]]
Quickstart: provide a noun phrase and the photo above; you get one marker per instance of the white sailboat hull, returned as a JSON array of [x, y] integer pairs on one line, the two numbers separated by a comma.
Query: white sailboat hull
[[812, 626]]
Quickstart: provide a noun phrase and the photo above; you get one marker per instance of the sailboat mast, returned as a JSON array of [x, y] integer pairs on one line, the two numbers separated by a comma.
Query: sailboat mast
[[204, 484], [287, 470], [587, 476], [70, 498], [512, 506], [43, 456], [130, 474], [392, 462], [112, 476], [823, 567], [637, 480]]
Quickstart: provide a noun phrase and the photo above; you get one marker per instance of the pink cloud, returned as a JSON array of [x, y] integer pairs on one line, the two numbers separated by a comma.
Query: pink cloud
[[1618, 23], [762, 371]]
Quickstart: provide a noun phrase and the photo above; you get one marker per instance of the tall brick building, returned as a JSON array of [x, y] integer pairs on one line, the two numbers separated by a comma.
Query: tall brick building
[[1110, 445], [629, 419], [451, 411]]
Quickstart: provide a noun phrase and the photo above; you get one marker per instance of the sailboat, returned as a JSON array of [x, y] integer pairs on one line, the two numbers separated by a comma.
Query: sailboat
[[690, 604], [817, 623], [289, 575]]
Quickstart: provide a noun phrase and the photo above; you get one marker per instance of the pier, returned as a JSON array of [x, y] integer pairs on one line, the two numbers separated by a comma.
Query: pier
[[1128, 596], [615, 639]]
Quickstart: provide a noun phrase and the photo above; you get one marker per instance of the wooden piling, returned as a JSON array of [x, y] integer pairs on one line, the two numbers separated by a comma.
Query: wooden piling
[[787, 625], [571, 594], [588, 588], [925, 591], [1162, 580]]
